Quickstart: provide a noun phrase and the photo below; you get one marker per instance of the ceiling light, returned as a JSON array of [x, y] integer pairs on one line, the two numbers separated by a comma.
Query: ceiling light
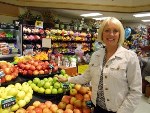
[[101, 18], [90, 14], [146, 20], [142, 15]]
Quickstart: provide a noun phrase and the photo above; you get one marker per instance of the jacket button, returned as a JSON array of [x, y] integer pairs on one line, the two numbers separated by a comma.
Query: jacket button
[[106, 88], [106, 66], [108, 100], [105, 76]]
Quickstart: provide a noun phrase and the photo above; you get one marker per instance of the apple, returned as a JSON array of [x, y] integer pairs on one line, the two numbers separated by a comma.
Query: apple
[[7, 71], [45, 79], [62, 71], [35, 88], [12, 92], [41, 72], [8, 77], [48, 91], [66, 99], [62, 105], [21, 110], [83, 90], [78, 103], [77, 111], [48, 104], [35, 72], [79, 96], [46, 110], [41, 83], [46, 71], [73, 92], [36, 103], [24, 72], [59, 111], [47, 85], [72, 100], [41, 90], [54, 91], [60, 90], [86, 97], [14, 107], [27, 99], [36, 80], [86, 110], [30, 72], [32, 67], [21, 103], [57, 85], [69, 106], [55, 79], [29, 82], [21, 95], [50, 79], [30, 107], [77, 87], [68, 111], [54, 108], [39, 67], [38, 110]]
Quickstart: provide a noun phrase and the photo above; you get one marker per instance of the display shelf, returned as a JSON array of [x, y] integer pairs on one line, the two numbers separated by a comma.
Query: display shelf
[[9, 56]]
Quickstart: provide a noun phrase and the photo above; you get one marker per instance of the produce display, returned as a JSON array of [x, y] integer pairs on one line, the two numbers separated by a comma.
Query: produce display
[[8, 71], [37, 67], [21, 94]]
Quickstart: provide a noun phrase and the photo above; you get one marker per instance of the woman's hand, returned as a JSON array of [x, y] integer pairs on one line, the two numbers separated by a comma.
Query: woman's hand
[[61, 79]]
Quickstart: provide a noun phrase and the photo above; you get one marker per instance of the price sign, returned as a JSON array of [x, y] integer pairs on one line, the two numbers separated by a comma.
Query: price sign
[[2, 74], [51, 66], [66, 85], [39, 24], [8, 102], [89, 104]]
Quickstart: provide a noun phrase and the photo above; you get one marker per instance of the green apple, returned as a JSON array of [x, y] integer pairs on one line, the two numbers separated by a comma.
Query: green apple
[[21, 95], [51, 87], [55, 79], [47, 85], [30, 82], [54, 91], [48, 91], [32, 85], [35, 88], [14, 107], [41, 83], [21, 103], [45, 79], [41, 90], [50, 79], [6, 110], [60, 90], [25, 84], [36, 80], [62, 71], [57, 85]]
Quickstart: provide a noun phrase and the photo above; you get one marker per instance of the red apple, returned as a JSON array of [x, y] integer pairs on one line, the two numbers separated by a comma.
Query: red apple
[[24, 72], [41, 72], [35, 72], [7, 71], [68, 111], [78, 103], [38, 110], [30, 72], [39, 67], [48, 104], [32, 67], [46, 110], [59, 111], [46, 71], [69, 106], [62, 105], [77, 111], [54, 108]]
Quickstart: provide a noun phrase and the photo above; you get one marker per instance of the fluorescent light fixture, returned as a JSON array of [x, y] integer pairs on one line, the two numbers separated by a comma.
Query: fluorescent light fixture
[[101, 18], [142, 15], [91, 14], [146, 20]]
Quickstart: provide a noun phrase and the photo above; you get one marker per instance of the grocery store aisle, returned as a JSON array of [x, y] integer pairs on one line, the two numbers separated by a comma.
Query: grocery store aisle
[[144, 106]]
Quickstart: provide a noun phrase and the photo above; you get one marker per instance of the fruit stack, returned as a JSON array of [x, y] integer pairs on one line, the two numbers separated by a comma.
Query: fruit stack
[[8, 71], [22, 94]]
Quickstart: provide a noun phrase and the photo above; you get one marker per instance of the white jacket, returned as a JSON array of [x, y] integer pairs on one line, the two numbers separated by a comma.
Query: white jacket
[[122, 80]]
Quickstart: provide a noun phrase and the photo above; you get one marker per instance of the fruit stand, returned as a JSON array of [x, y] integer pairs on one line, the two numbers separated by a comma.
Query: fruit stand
[[30, 86]]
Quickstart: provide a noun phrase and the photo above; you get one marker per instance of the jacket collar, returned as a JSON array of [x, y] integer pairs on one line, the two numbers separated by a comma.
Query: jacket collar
[[119, 52]]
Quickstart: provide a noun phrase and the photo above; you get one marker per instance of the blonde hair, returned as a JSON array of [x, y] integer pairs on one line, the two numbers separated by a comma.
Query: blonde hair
[[117, 23]]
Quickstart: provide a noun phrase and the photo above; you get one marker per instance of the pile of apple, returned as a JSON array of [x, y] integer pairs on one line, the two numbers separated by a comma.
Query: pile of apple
[[8, 70], [21, 92], [36, 67], [41, 107], [48, 86], [76, 102]]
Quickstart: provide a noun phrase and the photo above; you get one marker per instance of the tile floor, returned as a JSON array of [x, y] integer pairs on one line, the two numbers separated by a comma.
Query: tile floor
[[144, 106]]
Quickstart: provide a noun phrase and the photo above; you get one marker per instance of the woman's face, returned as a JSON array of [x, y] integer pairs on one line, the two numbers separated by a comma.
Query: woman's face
[[111, 35]]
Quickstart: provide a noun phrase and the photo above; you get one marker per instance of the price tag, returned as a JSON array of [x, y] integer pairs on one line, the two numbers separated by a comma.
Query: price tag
[[8, 102], [2, 74], [89, 104], [65, 85], [51, 66]]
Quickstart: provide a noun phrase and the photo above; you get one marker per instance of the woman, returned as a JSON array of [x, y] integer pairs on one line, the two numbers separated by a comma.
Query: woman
[[114, 72]]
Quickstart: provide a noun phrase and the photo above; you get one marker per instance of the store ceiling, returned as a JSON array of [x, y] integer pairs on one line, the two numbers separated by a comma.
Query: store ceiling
[[123, 10]]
